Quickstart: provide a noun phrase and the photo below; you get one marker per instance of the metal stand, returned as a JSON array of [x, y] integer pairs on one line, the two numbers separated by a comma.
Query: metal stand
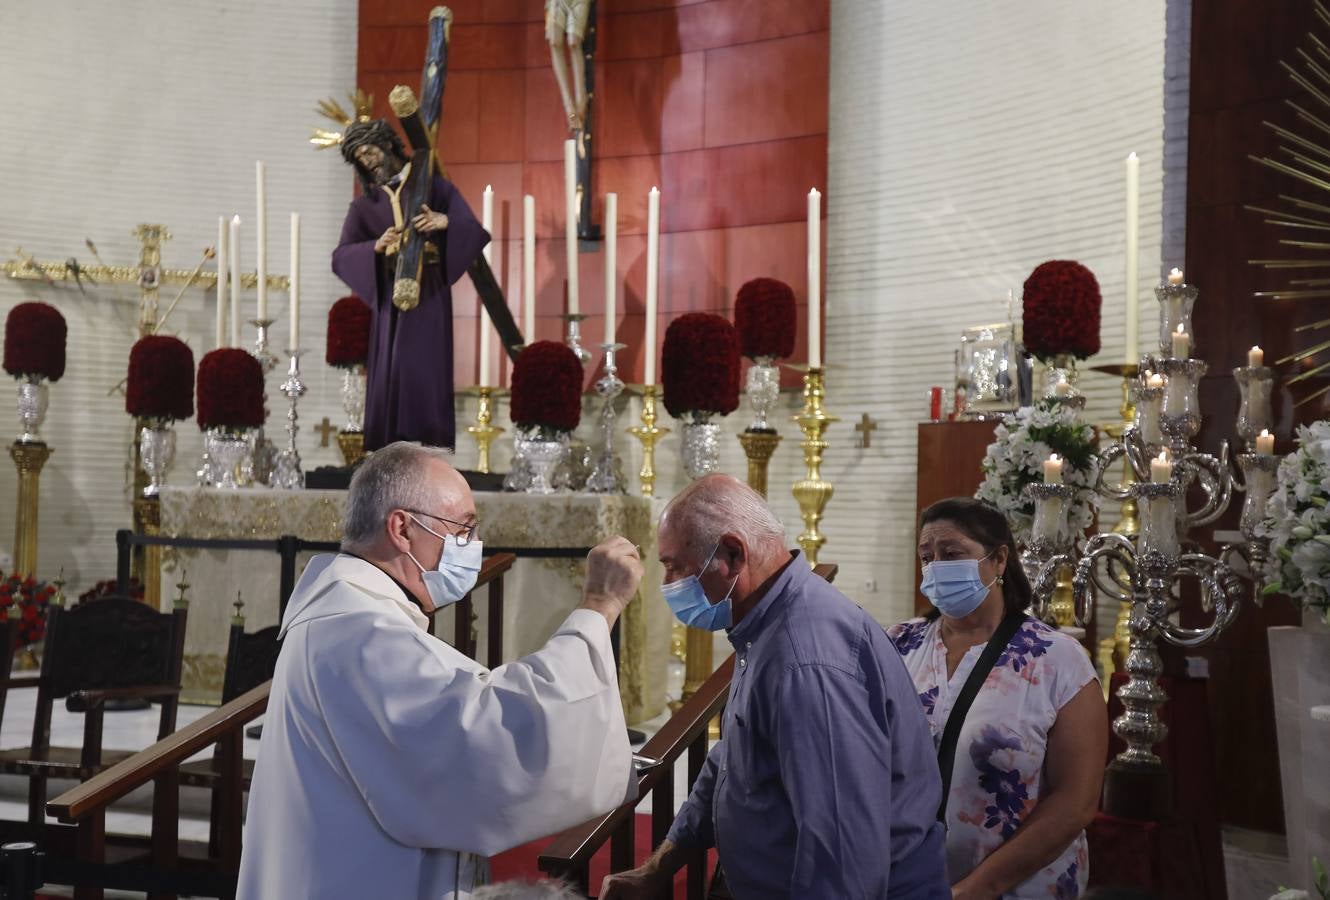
[[606, 477], [574, 338], [287, 473]]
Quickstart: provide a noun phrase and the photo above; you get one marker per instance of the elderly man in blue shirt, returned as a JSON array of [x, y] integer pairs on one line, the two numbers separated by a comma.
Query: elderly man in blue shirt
[[826, 781]]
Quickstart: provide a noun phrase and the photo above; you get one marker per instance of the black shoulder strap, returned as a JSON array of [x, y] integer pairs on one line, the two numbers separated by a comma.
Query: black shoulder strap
[[946, 751]]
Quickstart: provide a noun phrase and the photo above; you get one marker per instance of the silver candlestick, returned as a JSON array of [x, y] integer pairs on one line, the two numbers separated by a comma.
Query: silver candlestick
[[606, 477], [574, 337], [261, 351], [287, 473]]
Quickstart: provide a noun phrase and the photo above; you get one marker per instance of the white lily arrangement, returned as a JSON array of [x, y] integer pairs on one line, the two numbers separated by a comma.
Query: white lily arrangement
[[1298, 523]]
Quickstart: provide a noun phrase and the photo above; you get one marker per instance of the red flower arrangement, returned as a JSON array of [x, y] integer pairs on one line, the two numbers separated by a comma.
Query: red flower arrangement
[[32, 597], [107, 588], [764, 314], [35, 341], [700, 365], [230, 390], [547, 387], [348, 333], [161, 379], [1061, 310]]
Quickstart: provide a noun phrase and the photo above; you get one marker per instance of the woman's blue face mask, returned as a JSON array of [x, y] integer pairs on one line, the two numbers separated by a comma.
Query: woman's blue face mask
[[954, 586]]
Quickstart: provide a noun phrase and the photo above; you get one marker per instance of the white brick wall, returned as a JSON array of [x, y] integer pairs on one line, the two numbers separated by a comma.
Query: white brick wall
[[968, 143], [154, 111]]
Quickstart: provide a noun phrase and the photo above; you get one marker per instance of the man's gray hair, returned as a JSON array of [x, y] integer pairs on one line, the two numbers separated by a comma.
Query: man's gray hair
[[390, 478], [721, 504], [526, 890]]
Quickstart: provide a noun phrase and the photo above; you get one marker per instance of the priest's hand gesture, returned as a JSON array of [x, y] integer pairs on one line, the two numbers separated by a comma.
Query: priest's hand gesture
[[613, 570], [427, 220]]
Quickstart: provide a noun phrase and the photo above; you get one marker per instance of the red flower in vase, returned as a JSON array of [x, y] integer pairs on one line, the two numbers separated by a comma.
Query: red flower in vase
[[1061, 310], [33, 598], [348, 333], [35, 341], [765, 317], [700, 365], [547, 387], [161, 379], [230, 390]]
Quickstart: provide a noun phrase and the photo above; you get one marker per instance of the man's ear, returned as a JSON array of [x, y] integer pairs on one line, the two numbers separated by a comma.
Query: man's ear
[[396, 529], [732, 550]]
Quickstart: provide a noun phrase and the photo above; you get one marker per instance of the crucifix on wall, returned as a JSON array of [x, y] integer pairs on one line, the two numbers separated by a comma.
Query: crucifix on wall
[[570, 30], [866, 426]]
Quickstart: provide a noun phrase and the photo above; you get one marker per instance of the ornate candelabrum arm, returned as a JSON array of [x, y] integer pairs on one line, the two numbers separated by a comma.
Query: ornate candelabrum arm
[[1223, 588], [1108, 563], [1216, 480]]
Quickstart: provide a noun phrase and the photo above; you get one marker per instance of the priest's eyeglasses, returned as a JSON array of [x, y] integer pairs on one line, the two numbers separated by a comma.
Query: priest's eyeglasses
[[466, 530]]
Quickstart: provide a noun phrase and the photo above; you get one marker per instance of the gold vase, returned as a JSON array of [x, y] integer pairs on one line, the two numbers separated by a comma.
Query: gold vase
[[758, 447], [352, 445], [812, 492]]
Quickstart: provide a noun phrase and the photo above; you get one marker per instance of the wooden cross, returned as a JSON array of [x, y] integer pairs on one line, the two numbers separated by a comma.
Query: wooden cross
[[324, 428], [866, 427]]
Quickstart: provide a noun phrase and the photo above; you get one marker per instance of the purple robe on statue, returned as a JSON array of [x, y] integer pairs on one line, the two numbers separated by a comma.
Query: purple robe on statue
[[409, 389]]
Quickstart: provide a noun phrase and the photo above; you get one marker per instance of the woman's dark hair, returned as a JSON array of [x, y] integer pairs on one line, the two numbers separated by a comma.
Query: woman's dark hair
[[985, 524]]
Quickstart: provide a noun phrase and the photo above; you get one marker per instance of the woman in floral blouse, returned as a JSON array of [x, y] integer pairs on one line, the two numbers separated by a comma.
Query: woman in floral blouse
[[1030, 759]]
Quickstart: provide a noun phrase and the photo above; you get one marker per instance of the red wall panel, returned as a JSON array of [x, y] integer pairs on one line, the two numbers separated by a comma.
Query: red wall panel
[[720, 103]]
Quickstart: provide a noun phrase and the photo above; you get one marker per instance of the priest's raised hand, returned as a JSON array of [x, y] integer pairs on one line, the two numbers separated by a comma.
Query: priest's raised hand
[[391, 764]]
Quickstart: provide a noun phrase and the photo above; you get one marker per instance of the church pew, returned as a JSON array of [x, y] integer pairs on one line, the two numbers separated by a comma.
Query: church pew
[[569, 856]]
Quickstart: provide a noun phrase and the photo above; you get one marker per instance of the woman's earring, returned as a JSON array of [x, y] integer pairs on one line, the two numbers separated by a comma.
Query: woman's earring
[[1001, 578]]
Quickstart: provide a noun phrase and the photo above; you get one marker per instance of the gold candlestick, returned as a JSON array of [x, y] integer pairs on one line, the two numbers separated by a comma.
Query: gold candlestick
[[148, 517], [29, 459], [648, 434], [758, 447], [483, 431], [812, 492]]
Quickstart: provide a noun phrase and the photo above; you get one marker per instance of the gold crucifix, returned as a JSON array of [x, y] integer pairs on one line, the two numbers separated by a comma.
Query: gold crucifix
[[866, 427], [325, 430]]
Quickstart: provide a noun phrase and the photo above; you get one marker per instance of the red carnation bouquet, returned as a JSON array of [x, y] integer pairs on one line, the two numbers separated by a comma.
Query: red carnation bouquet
[[700, 365], [35, 342], [547, 387], [348, 333], [160, 385], [765, 316], [230, 390], [1061, 310], [32, 597]]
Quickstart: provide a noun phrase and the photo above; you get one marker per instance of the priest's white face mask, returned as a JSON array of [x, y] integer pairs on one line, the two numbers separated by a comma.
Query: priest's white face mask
[[459, 563]]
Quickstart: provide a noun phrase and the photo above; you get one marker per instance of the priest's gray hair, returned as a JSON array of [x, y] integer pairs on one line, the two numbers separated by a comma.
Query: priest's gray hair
[[716, 505], [392, 477], [526, 890]]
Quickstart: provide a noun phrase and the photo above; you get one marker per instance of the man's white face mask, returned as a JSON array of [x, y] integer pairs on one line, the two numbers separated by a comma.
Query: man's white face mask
[[458, 569]]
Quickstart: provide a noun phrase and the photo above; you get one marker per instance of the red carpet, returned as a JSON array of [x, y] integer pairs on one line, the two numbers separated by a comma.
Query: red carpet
[[521, 862]]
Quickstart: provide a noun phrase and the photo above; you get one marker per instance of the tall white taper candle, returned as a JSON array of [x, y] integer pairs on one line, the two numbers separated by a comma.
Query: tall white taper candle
[[814, 278], [235, 282], [261, 230], [221, 282], [529, 269], [295, 281], [482, 319], [653, 277], [611, 263], [1132, 354], [570, 215]]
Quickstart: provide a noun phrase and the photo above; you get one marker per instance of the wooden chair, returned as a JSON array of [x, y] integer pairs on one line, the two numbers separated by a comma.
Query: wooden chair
[[112, 647]]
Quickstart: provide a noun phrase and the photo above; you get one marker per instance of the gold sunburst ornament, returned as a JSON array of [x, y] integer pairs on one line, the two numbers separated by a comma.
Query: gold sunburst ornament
[[1304, 157], [361, 104]]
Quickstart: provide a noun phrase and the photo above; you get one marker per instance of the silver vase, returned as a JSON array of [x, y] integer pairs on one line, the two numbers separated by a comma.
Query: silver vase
[[227, 451], [519, 470], [157, 451], [542, 455], [33, 396], [700, 446], [353, 398], [763, 389]]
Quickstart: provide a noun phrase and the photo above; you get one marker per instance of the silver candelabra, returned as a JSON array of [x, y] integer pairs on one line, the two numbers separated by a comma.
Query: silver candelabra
[[606, 477], [287, 473]]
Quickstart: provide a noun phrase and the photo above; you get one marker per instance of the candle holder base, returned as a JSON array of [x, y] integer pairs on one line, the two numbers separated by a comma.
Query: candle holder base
[[607, 477], [574, 336], [483, 431], [261, 351], [812, 492], [648, 433], [1142, 792], [287, 473]]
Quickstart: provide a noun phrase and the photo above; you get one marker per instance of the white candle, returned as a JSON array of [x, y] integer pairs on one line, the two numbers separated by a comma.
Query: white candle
[[1155, 380], [1255, 357], [1053, 469], [814, 278], [235, 282], [1181, 343], [1161, 470], [261, 230], [611, 262], [529, 269], [221, 282], [295, 281], [1175, 276], [570, 214], [482, 320], [1265, 442], [1133, 245], [1062, 388], [653, 266]]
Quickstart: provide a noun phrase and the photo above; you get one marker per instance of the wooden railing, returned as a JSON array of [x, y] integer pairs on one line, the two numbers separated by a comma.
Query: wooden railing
[[569, 856], [85, 805]]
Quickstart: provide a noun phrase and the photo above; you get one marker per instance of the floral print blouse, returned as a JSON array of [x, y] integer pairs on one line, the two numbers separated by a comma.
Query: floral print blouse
[[999, 770]]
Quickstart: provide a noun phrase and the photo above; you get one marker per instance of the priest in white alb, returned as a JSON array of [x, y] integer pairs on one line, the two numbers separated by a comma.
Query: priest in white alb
[[391, 765]]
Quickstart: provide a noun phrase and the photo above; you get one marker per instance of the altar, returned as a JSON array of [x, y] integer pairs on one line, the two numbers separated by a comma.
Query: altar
[[550, 534]]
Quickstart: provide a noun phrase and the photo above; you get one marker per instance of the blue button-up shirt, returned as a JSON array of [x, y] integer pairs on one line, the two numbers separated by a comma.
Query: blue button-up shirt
[[825, 783]]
